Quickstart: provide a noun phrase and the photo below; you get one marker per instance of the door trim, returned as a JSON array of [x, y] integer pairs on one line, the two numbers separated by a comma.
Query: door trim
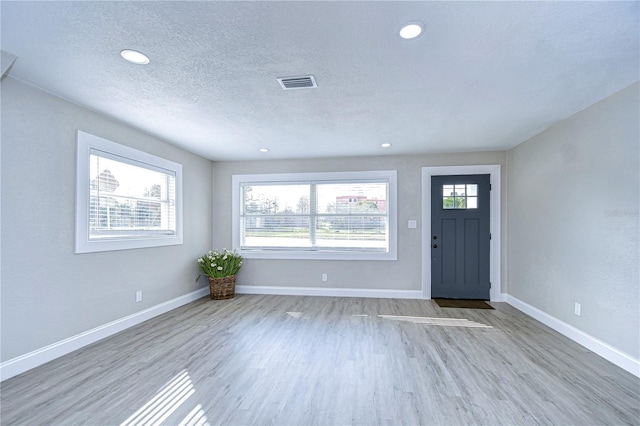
[[495, 202]]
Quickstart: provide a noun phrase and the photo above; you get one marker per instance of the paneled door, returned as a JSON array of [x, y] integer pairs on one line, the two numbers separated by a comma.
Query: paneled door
[[460, 237]]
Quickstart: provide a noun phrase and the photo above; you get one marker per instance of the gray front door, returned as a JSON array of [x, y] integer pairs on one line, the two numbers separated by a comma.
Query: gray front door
[[460, 237]]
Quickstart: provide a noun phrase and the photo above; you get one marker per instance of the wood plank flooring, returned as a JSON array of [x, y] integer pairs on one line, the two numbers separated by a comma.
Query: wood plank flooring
[[281, 360]]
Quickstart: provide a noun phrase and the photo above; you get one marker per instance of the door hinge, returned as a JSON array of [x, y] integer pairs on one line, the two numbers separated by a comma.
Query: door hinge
[[489, 235], [489, 187], [489, 284]]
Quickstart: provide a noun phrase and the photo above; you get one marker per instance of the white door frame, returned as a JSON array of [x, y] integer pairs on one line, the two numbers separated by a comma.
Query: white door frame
[[494, 244]]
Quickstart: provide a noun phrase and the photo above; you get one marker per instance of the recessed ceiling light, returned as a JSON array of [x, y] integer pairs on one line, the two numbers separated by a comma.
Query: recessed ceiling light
[[135, 57], [264, 149], [385, 145], [411, 30]]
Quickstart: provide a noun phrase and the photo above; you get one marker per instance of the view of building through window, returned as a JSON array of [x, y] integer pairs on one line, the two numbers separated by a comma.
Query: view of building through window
[[315, 215], [126, 198]]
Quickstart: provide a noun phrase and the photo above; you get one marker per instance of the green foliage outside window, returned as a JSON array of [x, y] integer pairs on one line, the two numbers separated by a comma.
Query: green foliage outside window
[[454, 202]]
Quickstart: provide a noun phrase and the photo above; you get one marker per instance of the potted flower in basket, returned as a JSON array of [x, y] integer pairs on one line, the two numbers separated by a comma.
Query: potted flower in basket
[[221, 268]]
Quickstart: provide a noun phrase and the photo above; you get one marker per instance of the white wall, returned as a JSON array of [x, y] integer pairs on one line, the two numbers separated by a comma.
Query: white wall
[[403, 274], [573, 225], [48, 292]]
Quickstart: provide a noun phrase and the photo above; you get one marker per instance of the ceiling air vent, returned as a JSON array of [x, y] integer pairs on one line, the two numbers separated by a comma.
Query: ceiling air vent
[[301, 82]]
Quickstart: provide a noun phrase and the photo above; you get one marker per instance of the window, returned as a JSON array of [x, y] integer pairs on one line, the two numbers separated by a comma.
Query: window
[[125, 198], [349, 215], [460, 196]]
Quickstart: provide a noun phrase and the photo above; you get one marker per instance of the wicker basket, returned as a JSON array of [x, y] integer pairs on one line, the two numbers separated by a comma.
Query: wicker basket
[[222, 288]]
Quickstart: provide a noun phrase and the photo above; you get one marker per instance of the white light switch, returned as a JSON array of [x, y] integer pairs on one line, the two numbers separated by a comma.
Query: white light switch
[[413, 224]]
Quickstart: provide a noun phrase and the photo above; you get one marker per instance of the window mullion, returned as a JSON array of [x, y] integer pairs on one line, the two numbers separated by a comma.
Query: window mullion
[[313, 213]]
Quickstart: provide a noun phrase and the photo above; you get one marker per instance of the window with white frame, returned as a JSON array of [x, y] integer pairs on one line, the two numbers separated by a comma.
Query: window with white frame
[[347, 215], [125, 198]]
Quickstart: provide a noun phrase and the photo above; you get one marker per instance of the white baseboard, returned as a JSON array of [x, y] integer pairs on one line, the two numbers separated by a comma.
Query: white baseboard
[[25, 362], [608, 352], [330, 292]]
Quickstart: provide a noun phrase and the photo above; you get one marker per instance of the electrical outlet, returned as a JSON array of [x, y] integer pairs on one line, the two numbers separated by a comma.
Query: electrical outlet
[[324, 277], [577, 309], [412, 224], [138, 296]]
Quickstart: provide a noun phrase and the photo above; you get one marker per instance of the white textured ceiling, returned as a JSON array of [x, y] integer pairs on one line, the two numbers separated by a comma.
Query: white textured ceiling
[[483, 76]]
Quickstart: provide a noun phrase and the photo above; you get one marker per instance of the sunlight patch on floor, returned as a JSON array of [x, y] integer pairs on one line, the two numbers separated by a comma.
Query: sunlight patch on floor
[[195, 418], [444, 322], [164, 403]]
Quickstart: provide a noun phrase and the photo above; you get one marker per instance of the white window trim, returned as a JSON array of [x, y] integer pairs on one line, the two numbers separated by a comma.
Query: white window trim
[[292, 253], [85, 143]]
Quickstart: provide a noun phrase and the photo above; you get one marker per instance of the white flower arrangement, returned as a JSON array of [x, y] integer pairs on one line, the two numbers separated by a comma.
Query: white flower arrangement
[[217, 264]]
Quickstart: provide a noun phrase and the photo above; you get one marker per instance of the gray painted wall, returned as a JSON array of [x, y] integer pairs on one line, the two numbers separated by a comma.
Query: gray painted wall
[[573, 198], [48, 292], [571, 227], [403, 274]]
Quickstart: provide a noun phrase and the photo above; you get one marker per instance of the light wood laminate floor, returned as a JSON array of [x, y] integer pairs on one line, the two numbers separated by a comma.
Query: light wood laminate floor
[[327, 361]]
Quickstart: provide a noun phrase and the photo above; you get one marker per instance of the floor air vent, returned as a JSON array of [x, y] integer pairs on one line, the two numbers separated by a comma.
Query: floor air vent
[[302, 82]]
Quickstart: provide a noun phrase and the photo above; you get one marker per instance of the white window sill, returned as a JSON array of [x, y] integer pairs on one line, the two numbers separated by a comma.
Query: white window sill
[[316, 255]]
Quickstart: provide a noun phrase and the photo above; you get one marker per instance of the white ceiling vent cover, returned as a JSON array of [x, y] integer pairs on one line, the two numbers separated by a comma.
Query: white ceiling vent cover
[[301, 82]]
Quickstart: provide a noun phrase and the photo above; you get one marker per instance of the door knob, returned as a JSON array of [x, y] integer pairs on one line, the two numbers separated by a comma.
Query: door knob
[[435, 246]]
